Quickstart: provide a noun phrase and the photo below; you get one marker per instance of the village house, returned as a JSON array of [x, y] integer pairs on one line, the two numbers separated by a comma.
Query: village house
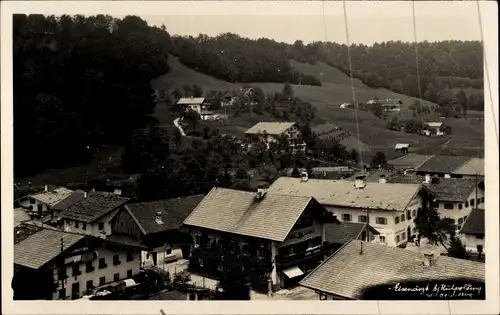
[[92, 214], [451, 166], [287, 231], [433, 129], [74, 263], [389, 208], [454, 198], [271, 132], [390, 105], [196, 104], [472, 233], [360, 268], [157, 225], [402, 147], [408, 162], [41, 204]]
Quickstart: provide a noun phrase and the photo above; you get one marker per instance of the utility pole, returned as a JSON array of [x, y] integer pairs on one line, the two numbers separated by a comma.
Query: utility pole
[[62, 266], [367, 229]]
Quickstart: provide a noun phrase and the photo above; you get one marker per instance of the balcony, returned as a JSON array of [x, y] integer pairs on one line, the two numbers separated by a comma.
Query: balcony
[[284, 261]]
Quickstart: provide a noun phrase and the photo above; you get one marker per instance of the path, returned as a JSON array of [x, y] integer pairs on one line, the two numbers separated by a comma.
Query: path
[[178, 126]]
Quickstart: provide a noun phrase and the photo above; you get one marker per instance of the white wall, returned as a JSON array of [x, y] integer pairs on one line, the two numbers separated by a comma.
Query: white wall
[[471, 242], [459, 215], [390, 230], [95, 275], [25, 203], [90, 228]]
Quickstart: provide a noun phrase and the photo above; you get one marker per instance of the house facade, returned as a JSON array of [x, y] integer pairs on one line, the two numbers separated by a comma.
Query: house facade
[[271, 132], [472, 233], [389, 208], [157, 225], [450, 166], [433, 129], [41, 204], [455, 198], [284, 233], [76, 263], [192, 103], [92, 214]]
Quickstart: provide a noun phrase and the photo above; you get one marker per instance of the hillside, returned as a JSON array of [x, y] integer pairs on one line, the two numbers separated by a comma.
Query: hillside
[[335, 90]]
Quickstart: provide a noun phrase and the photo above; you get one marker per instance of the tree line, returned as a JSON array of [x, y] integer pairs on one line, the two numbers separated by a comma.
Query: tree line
[[80, 82]]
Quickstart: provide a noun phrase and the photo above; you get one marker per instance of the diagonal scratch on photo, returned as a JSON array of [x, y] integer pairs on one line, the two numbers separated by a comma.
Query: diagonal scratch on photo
[[196, 158]]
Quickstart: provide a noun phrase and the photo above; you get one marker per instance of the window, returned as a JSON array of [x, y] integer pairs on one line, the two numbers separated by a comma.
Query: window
[[408, 214], [449, 206], [396, 220], [414, 230], [472, 202], [362, 218], [381, 220], [89, 267], [197, 239], [75, 290], [402, 217], [346, 217], [76, 224], [169, 251], [397, 239], [62, 294], [116, 260], [482, 199], [460, 206], [466, 203], [102, 263], [414, 212], [102, 280], [90, 285], [39, 208], [130, 255], [84, 226], [260, 251], [32, 201], [382, 239], [403, 236], [460, 220], [434, 204], [101, 226], [116, 277], [129, 273], [480, 237], [245, 249], [479, 248], [76, 270]]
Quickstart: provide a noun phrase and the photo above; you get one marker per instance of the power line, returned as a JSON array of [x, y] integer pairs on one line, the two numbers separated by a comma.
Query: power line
[[355, 103]]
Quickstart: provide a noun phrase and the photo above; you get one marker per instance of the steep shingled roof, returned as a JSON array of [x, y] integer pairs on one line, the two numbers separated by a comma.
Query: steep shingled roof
[[343, 193], [347, 272], [238, 212], [474, 224], [96, 205], [271, 128]]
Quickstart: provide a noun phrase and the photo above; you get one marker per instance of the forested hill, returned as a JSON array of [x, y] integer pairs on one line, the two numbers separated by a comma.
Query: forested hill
[[448, 70]]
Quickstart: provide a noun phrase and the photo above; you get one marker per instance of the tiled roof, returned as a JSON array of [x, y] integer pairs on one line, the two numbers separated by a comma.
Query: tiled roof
[[68, 201], [474, 224], [343, 232], [472, 167], [52, 197], [125, 241], [410, 160], [20, 216], [343, 193], [42, 247], [271, 128], [443, 164], [347, 272], [96, 205], [239, 212], [191, 101], [405, 179], [173, 212], [452, 189]]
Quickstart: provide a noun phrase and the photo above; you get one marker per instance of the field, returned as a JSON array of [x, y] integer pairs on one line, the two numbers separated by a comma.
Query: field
[[466, 139], [335, 90]]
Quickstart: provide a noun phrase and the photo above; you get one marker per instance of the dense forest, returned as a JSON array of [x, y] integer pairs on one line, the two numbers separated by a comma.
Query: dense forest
[[82, 82]]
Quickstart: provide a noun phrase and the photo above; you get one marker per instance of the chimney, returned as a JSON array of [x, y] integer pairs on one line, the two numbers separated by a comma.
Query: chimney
[[360, 182], [428, 259], [84, 194], [46, 188], [382, 179], [304, 177], [261, 192], [427, 179], [158, 218]]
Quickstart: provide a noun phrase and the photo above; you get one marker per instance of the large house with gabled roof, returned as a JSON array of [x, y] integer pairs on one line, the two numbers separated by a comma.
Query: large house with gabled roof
[[285, 230], [389, 208], [271, 132]]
